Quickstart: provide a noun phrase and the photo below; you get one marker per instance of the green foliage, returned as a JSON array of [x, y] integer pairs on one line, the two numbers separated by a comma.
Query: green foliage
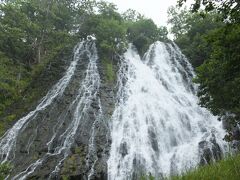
[[110, 33], [224, 169], [29, 28], [108, 28], [13, 79], [109, 70], [178, 18], [5, 169], [32, 33], [113, 31], [144, 32], [229, 9], [132, 15], [65, 178], [219, 76], [190, 32]]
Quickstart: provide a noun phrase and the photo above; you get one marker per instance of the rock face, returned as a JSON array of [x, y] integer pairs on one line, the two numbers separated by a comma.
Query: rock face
[[32, 141], [209, 151], [76, 165], [68, 137]]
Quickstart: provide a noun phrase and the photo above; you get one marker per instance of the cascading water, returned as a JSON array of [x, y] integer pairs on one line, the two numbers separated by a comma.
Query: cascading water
[[66, 123], [157, 126]]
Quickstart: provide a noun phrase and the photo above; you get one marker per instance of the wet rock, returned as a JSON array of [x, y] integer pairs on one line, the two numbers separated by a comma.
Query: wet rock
[[95, 105], [153, 139], [53, 121], [209, 152], [236, 133], [123, 149]]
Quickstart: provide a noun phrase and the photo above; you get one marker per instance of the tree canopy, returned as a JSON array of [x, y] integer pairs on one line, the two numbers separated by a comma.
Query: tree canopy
[[229, 9]]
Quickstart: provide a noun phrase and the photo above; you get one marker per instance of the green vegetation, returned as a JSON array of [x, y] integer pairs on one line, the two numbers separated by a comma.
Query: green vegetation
[[144, 32], [221, 170], [32, 35], [109, 70], [224, 169], [5, 169], [191, 31], [210, 39], [229, 9]]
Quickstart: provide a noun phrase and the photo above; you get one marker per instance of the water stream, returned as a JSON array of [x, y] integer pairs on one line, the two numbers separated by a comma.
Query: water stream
[[157, 127]]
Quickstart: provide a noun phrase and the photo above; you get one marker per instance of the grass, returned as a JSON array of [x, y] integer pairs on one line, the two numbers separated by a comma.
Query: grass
[[228, 169]]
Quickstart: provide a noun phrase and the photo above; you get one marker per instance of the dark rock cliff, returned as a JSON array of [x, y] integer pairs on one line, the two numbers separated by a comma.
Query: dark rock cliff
[[75, 166], [34, 156]]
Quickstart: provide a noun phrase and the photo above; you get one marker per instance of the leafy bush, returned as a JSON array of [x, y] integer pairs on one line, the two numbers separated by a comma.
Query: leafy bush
[[144, 32], [5, 169]]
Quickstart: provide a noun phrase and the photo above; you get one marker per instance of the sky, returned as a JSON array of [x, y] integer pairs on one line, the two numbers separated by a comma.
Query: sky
[[154, 9]]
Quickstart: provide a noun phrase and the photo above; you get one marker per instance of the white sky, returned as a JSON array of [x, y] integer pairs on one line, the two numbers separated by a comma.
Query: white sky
[[154, 9]]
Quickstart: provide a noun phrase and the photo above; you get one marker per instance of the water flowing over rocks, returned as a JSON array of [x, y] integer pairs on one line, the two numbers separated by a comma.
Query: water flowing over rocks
[[146, 122], [157, 126]]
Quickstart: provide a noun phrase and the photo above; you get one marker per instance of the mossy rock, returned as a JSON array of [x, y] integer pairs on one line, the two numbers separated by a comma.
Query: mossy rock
[[64, 177], [109, 70], [75, 163]]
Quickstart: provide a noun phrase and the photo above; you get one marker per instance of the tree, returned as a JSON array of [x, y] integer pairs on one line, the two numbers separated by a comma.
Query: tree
[[14, 26], [132, 15], [190, 32], [144, 32], [178, 18], [32, 33], [108, 27], [228, 8]]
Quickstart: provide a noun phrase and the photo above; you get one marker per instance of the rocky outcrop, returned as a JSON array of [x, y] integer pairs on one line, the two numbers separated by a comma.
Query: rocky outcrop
[[210, 151], [40, 151], [76, 165]]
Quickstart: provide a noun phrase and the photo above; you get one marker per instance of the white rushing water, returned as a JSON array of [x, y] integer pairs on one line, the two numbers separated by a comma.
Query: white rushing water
[[157, 126], [87, 92]]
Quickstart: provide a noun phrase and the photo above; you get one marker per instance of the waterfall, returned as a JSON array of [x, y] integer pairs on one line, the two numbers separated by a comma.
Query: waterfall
[[157, 126], [66, 121]]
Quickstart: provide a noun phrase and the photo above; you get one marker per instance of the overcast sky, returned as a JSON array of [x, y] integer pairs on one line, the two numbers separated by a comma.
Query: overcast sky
[[154, 9]]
